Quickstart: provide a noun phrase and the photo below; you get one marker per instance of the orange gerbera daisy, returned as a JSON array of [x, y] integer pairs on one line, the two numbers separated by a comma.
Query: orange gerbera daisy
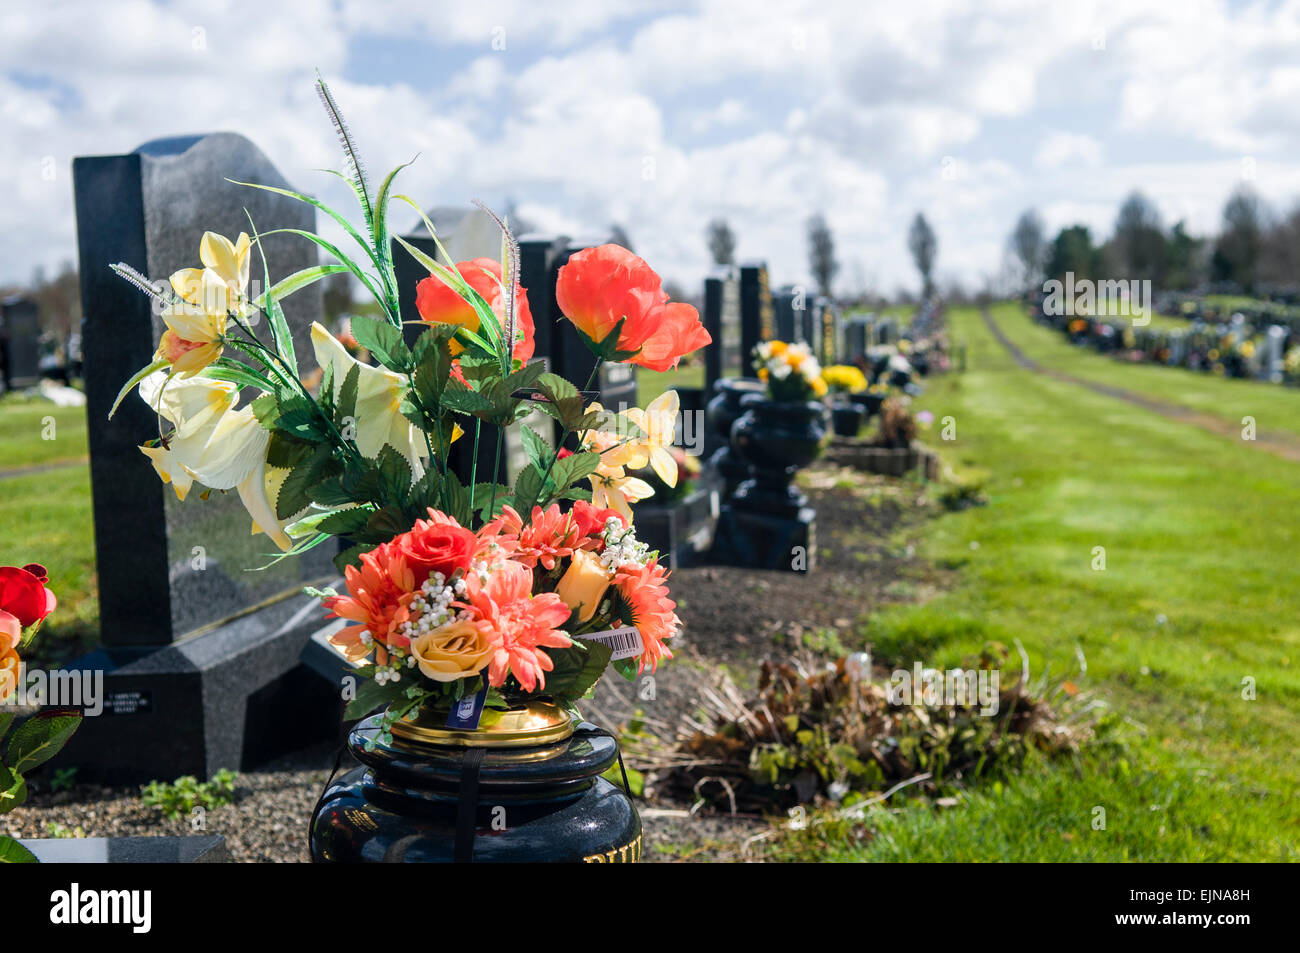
[[520, 624], [379, 596], [645, 591], [548, 536]]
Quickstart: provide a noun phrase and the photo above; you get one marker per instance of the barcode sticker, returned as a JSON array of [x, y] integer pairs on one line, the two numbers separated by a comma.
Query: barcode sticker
[[625, 642]]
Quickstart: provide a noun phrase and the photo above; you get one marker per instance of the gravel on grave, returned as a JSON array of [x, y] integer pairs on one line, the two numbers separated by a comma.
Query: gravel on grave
[[731, 618]]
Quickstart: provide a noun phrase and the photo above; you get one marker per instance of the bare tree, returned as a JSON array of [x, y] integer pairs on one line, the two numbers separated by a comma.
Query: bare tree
[[821, 253], [1139, 242], [1028, 243], [58, 300], [1236, 253], [618, 236], [722, 242], [923, 244]]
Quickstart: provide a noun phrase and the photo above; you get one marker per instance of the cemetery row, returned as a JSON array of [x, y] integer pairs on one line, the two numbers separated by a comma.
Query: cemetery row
[[1256, 346], [207, 665]]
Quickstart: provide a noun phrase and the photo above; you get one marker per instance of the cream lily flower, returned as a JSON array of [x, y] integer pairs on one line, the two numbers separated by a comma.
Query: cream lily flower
[[379, 419], [214, 445], [659, 421], [613, 489], [196, 324], [225, 266], [610, 444]]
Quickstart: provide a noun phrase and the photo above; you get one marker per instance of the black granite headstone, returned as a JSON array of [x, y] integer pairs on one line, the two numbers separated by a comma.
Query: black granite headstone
[[721, 318], [856, 336], [783, 313], [191, 631], [20, 343], [756, 316]]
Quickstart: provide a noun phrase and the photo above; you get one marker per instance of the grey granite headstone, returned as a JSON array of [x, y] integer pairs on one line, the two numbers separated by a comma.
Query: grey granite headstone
[[1274, 353], [169, 568], [201, 652], [20, 343]]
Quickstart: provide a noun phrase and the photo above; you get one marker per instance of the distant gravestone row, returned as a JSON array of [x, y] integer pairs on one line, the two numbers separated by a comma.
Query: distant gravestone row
[[20, 343]]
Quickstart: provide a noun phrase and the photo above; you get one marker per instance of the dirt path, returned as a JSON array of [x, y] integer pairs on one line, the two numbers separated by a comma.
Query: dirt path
[[44, 467], [1288, 448]]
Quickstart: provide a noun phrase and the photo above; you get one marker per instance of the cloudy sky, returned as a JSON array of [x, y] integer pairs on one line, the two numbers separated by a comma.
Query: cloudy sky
[[659, 116]]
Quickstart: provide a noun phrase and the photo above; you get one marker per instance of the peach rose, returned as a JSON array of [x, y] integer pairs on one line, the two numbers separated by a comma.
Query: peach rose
[[453, 651], [583, 584]]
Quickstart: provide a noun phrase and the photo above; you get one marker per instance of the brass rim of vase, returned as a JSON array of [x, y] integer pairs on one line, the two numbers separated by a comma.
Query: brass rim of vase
[[533, 723]]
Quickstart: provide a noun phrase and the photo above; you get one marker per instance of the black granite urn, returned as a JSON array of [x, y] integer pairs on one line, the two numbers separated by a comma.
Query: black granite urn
[[723, 411], [776, 439], [869, 402], [525, 788], [847, 418]]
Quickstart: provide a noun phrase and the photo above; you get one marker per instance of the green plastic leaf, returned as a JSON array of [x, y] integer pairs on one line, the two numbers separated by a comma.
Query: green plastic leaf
[[296, 492], [384, 341], [234, 372], [333, 251], [538, 450], [38, 739], [338, 217], [12, 852], [136, 378], [343, 522], [577, 670]]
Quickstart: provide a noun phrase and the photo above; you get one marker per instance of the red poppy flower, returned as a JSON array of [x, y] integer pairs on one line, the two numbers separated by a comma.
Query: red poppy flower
[[601, 286], [438, 303]]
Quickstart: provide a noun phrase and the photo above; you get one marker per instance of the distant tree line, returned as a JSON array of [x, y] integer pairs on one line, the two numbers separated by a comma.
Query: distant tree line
[[1255, 251]]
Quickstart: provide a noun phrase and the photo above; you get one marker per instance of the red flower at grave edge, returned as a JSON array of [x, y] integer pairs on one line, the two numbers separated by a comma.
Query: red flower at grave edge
[[23, 593], [439, 303], [601, 286]]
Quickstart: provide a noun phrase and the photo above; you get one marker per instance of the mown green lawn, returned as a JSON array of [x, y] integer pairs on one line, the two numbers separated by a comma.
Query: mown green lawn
[[1200, 596], [35, 432], [1275, 408]]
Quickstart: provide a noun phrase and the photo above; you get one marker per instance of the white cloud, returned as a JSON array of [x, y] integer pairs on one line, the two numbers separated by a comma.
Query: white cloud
[[1062, 148], [660, 116]]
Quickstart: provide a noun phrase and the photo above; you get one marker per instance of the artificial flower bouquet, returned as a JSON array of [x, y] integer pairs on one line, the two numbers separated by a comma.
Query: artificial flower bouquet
[[844, 379], [790, 371], [25, 601], [457, 585]]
